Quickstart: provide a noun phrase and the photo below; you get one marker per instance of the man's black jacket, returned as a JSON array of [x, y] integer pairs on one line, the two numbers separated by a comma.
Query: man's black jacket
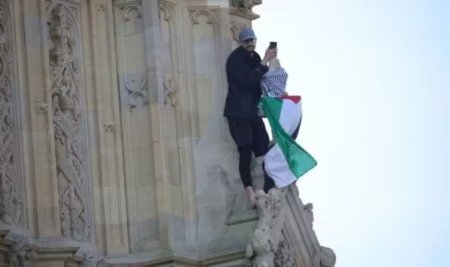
[[244, 73]]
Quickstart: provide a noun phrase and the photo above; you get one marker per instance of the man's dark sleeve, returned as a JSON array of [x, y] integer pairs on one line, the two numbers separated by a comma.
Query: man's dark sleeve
[[243, 75]]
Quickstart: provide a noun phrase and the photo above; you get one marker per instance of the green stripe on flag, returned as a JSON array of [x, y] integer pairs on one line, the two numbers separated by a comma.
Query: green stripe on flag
[[298, 159], [275, 106]]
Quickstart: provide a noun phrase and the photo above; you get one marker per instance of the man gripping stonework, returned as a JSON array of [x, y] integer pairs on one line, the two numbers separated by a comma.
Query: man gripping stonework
[[244, 69]]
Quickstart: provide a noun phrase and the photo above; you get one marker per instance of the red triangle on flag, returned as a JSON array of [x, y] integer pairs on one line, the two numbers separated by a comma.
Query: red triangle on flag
[[293, 98]]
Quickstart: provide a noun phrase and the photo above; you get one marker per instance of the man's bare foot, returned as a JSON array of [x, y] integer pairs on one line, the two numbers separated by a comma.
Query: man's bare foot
[[251, 196]]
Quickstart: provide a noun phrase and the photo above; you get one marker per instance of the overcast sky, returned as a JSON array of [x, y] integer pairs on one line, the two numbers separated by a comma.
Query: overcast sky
[[375, 86]]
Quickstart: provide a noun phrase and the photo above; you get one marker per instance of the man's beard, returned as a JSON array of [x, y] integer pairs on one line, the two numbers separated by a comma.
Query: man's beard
[[250, 48]]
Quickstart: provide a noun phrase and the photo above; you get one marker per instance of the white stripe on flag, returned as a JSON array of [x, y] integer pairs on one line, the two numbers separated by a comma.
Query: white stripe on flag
[[278, 168], [290, 115], [275, 162]]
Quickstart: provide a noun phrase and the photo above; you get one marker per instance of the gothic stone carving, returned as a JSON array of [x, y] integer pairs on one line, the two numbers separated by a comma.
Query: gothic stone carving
[[171, 89], [260, 248], [102, 7], [41, 108], [235, 29], [167, 9], [134, 86], [283, 256], [245, 5], [109, 127], [136, 89], [132, 11], [210, 13], [131, 17], [20, 249], [69, 143], [10, 203], [324, 257], [88, 258]]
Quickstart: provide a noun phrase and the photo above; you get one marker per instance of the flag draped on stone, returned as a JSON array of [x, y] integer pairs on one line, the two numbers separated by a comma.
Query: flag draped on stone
[[286, 161]]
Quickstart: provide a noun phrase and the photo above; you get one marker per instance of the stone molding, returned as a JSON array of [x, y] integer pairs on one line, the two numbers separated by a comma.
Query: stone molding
[[170, 258], [23, 250], [10, 199]]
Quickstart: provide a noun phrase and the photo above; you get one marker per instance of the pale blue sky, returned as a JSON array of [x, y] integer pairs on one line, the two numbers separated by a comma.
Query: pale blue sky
[[374, 77]]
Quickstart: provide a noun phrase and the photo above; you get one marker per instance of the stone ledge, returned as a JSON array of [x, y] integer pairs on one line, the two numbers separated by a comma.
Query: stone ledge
[[19, 246], [167, 259], [239, 12]]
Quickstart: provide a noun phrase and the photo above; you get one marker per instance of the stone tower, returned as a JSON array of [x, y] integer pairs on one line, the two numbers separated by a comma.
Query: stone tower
[[113, 148]]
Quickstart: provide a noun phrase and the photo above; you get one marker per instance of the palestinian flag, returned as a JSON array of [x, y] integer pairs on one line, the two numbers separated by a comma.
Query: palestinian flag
[[285, 161]]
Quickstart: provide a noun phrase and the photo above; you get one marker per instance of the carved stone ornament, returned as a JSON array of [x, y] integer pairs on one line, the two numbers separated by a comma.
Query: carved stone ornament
[[109, 127], [132, 11], [260, 248], [167, 9], [88, 259], [135, 90], [10, 201], [102, 7], [69, 142], [245, 5], [20, 248], [235, 32], [131, 17], [171, 88], [283, 256], [41, 108], [210, 13]]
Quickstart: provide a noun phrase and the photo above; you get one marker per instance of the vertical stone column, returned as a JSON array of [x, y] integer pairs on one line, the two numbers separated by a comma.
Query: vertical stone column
[[110, 187], [175, 115], [137, 93], [213, 160], [43, 194]]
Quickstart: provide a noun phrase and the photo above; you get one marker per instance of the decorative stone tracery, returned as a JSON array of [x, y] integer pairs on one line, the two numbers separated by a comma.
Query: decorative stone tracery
[[134, 85], [10, 201], [65, 78], [210, 13], [167, 9]]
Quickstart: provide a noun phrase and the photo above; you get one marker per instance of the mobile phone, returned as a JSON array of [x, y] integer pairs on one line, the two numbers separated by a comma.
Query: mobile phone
[[272, 45]]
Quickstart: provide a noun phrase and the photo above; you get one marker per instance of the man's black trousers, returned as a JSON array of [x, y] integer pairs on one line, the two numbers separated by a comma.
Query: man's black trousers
[[250, 137]]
